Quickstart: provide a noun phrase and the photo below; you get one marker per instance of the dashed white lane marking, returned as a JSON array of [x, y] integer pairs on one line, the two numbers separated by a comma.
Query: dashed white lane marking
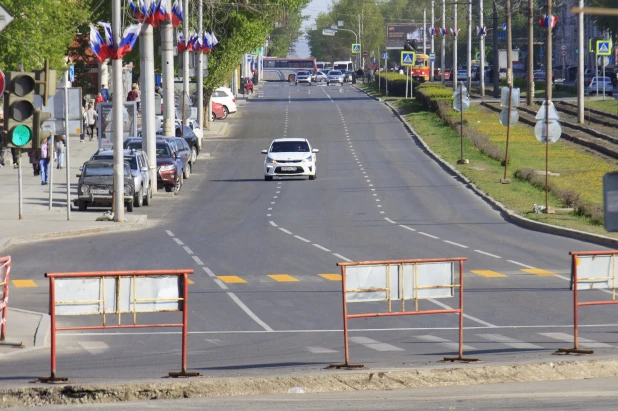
[[269, 215], [370, 185], [454, 243], [275, 196], [285, 231], [342, 257], [270, 208], [249, 312], [381, 212], [278, 192], [389, 220], [510, 342], [428, 235], [178, 241], [188, 250], [320, 350], [373, 189], [379, 205], [272, 202], [377, 199], [302, 239], [374, 345], [221, 284], [491, 255], [273, 223], [469, 317], [321, 248], [169, 233], [197, 260], [520, 264], [406, 227], [369, 181], [444, 342], [584, 342], [208, 271]]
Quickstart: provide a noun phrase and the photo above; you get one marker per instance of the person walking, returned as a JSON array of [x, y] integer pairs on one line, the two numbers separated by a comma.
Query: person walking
[[99, 99], [134, 94], [59, 146], [44, 161], [91, 118], [35, 158], [82, 135], [104, 93]]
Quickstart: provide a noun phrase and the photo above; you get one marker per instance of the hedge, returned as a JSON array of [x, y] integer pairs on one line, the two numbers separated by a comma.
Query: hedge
[[396, 83]]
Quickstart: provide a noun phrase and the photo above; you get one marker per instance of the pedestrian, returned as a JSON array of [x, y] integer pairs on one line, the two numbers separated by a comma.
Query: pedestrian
[[91, 118], [35, 158], [133, 94], [104, 93], [44, 161], [138, 98], [59, 146], [82, 135], [99, 99]]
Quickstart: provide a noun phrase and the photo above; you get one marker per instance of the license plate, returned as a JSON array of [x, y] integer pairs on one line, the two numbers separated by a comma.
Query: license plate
[[99, 191], [288, 168]]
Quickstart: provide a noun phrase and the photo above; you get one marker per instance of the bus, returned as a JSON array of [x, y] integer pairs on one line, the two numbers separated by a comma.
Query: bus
[[280, 69], [324, 65], [343, 66]]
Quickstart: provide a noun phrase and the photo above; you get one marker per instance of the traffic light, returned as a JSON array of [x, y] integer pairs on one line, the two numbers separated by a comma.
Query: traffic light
[[45, 82], [39, 134], [19, 110]]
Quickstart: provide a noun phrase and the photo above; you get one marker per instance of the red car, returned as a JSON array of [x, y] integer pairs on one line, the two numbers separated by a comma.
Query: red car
[[217, 112]]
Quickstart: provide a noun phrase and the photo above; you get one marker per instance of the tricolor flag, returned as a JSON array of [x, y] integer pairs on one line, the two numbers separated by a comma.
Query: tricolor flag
[[129, 37], [206, 43], [481, 31], [182, 46], [135, 10], [191, 42], [213, 40], [161, 13], [548, 21], [150, 15], [177, 13], [98, 47], [444, 31], [108, 33], [454, 32]]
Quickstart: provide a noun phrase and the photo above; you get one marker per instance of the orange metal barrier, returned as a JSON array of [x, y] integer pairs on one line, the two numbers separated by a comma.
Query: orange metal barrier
[[413, 289], [576, 281], [5, 271], [101, 304]]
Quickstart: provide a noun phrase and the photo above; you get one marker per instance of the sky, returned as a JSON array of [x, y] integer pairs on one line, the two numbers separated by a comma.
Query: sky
[[312, 10]]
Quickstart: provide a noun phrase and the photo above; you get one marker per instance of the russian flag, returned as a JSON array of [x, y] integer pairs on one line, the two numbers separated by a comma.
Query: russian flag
[[213, 40], [182, 46], [177, 14], [191, 42], [160, 12], [150, 15], [135, 10], [108, 33], [206, 43], [199, 44], [129, 37], [98, 47]]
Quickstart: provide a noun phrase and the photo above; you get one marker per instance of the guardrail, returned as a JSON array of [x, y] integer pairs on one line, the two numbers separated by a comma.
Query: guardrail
[[599, 269], [401, 280], [115, 293], [5, 271]]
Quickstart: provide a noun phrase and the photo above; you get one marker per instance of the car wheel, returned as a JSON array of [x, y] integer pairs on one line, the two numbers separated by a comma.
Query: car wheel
[[213, 117], [82, 205], [148, 196], [225, 112], [130, 206], [169, 189], [193, 155], [314, 176], [268, 178], [138, 201], [187, 172]]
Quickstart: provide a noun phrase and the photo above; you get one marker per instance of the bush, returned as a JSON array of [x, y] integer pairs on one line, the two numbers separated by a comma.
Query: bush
[[396, 83], [429, 94], [522, 84]]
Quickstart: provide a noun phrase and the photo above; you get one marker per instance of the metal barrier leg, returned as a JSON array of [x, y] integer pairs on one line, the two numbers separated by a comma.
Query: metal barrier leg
[[52, 313], [185, 326]]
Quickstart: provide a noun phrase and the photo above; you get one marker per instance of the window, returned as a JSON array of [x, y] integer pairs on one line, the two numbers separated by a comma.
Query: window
[[289, 147]]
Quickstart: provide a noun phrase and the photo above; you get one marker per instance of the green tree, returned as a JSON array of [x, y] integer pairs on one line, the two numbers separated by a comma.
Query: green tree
[[283, 37]]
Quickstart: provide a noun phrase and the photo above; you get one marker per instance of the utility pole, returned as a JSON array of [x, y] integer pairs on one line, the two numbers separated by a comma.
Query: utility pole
[[454, 72], [469, 74], [548, 85], [424, 31], [186, 55], [167, 57], [117, 106], [530, 62], [482, 49], [360, 40], [580, 65], [431, 76], [200, 69], [496, 65], [443, 49], [146, 55]]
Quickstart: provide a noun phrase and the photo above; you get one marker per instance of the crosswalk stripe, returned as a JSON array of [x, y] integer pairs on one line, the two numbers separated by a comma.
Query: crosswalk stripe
[[537, 271], [584, 342], [375, 345], [443, 341], [94, 347], [487, 273], [511, 342], [332, 277], [231, 279], [320, 350], [283, 278], [23, 283]]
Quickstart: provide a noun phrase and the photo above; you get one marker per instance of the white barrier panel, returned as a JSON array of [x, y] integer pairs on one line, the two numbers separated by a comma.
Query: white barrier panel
[[595, 272]]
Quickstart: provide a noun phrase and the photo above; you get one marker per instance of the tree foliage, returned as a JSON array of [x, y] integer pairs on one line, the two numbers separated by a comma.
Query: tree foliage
[[284, 36]]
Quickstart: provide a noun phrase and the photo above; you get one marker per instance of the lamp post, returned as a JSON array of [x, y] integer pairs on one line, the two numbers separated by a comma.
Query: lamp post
[[355, 39]]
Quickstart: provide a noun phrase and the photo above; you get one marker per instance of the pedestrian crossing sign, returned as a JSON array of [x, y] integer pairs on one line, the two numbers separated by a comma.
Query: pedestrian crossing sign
[[356, 48], [604, 47], [408, 58]]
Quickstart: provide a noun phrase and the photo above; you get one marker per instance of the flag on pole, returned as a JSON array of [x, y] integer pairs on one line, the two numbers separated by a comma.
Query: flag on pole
[[548, 21], [98, 47], [444, 31], [150, 15], [160, 13], [176, 13], [182, 46], [135, 10], [129, 37], [109, 40]]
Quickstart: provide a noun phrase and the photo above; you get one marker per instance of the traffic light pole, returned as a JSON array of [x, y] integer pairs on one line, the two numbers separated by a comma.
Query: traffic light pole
[[19, 184], [117, 123], [67, 164]]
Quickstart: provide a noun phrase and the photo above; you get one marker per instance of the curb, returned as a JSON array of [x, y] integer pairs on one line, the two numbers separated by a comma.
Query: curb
[[509, 215], [139, 225], [208, 134], [40, 336]]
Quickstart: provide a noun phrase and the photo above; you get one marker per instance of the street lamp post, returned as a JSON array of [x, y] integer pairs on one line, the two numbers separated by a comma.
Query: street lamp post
[[355, 39]]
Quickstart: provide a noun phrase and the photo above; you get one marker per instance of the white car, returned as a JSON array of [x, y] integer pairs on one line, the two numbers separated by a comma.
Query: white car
[[599, 80], [303, 77], [334, 76], [225, 97], [462, 75], [319, 77], [290, 157]]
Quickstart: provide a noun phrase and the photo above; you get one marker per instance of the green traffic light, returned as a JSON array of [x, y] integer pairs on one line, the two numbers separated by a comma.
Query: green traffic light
[[21, 135]]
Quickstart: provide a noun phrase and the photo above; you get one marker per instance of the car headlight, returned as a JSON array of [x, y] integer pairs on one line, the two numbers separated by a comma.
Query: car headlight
[[84, 189], [127, 189], [168, 167], [271, 160], [310, 158]]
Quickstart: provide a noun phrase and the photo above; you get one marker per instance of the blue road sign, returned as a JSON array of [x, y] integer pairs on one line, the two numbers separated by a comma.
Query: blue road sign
[[432, 57], [408, 58], [503, 26], [71, 73], [604, 48], [384, 56], [356, 48], [501, 36], [478, 55]]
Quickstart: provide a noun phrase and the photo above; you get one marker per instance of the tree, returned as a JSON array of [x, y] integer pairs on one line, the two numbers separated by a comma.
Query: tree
[[283, 37]]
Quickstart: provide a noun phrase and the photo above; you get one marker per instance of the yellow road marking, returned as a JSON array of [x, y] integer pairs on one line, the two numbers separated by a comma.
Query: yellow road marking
[[231, 279], [537, 271], [282, 278], [190, 281], [332, 277], [487, 273], [23, 283]]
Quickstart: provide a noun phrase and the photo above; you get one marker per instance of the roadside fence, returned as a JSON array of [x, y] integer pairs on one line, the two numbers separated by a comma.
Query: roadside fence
[[5, 271], [401, 280], [107, 293], [590, 270]]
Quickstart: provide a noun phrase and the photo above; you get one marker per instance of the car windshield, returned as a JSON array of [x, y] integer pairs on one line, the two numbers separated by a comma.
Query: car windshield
[[131, 160], [289, 147], [335, 73], [102, 169], [303, 73], [162, 150]]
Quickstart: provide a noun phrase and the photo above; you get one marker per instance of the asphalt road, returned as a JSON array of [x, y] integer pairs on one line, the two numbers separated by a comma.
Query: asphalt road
[[261, 302]]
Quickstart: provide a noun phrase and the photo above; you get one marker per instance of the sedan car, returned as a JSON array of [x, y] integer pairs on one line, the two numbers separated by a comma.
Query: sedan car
[[597, 83], [348, 76], [290, 157], [334, 76], [319, 76], [169, 166], [303, 77], [225, 97], [462, 75], [181, 147], [96, 185], [217, 112]]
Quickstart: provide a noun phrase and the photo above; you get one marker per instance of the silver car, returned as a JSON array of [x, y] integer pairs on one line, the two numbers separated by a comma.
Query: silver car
[[319, 76], [303, 77], [334, 76], [138, 162]]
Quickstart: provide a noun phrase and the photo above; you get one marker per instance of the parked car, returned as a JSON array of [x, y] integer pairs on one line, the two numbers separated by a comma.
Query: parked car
[[217, 112], [290, 157], [303, 77], [225, 97], [184, 153], [319, 76], [334, 76], [448, 73], [462, 75], [191, 139], [138, 162], [348, 76], [597, 83], [95, 186], [169, 165]]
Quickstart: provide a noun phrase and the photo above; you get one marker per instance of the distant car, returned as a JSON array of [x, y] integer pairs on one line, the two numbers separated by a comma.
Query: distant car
[[95, 186], [334, 76], [217, 112], [462, 75], [184, 154], [225, 97], [319, 77], [303, 77], [290, 157], [448, 74], [599, 81], [169, 165], [191, 138], [348, 76], [138, 161]]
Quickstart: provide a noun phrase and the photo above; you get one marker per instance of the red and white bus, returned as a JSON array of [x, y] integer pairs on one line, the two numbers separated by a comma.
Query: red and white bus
[[280, 69]]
